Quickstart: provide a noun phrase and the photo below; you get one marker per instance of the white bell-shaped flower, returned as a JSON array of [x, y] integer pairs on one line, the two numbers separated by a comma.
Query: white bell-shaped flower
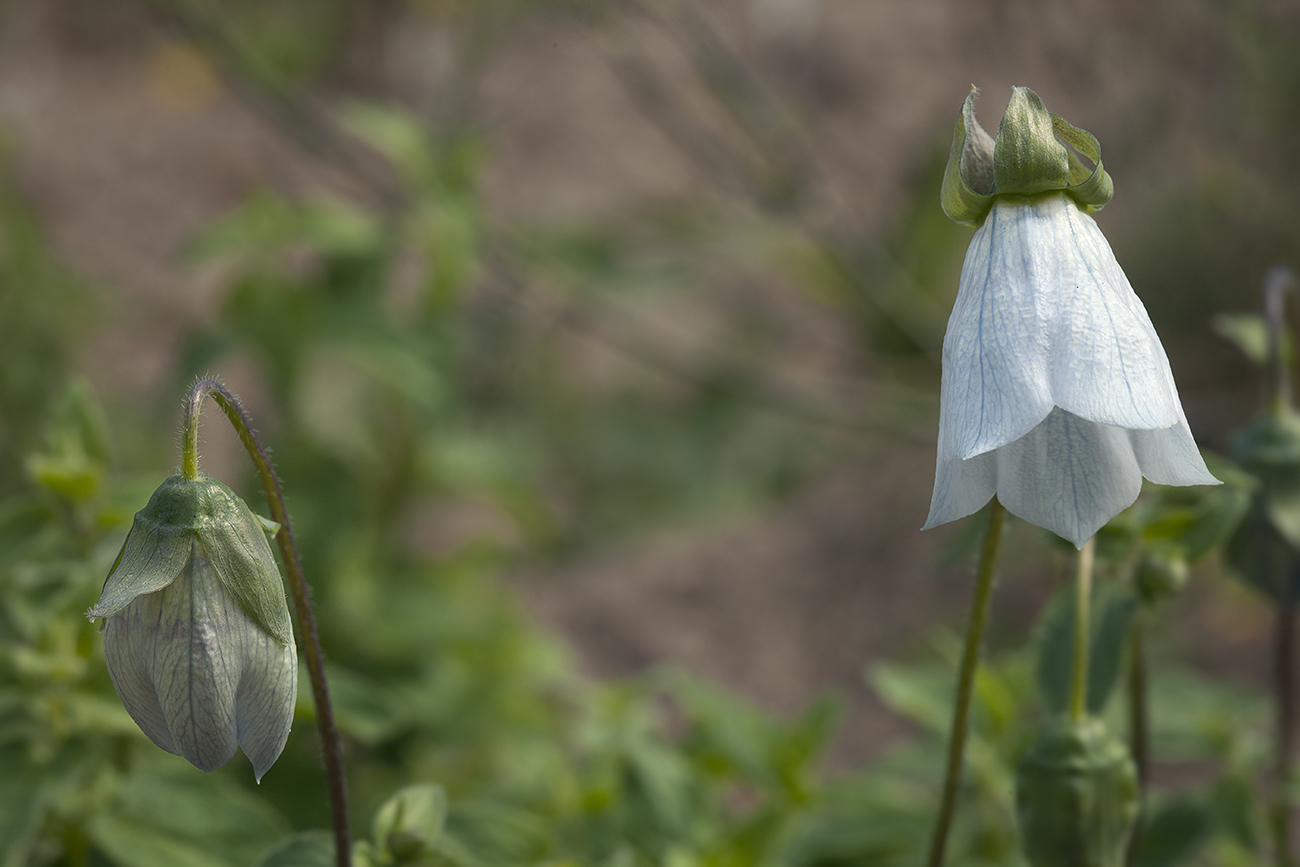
[[1056, 394], [197, 636]]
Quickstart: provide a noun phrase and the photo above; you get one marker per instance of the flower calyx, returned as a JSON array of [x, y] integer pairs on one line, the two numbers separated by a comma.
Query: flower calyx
[[1076, 796], [1034, 152], [182, 512]]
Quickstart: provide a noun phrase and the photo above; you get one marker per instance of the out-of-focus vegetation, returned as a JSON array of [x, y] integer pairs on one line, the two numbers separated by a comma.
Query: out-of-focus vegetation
[[420, 357]]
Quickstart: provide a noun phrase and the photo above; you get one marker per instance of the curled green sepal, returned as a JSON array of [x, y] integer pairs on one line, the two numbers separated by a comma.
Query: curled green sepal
[[159, 547], [1029, 157]]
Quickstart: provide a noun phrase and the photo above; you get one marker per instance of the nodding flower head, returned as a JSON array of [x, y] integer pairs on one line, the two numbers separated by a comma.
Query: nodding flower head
[[1056, 394], [197, 635]]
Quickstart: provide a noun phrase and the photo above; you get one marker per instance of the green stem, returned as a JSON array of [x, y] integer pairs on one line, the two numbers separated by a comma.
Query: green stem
[[330, 743], [1139, 720], [1082, 606], [1285, 700], [966, 681], [1280, 282], [1139, 714]]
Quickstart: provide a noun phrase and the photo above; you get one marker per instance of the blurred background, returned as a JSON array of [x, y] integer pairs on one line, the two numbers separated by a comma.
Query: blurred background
[[589, 337]]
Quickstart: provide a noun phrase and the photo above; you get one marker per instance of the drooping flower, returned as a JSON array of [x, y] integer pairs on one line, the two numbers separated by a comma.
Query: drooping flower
[[197, 636], [1056, 394]]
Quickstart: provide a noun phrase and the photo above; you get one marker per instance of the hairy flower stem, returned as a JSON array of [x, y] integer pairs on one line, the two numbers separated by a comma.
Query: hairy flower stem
[[1082, 608], [329, 734], [966, 681]]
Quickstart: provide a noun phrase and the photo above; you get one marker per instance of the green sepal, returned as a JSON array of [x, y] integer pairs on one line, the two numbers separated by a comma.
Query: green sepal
[[967, 192], [271, 528], [1028, 157], [1091, 188], [160, 545], [1076, 796]]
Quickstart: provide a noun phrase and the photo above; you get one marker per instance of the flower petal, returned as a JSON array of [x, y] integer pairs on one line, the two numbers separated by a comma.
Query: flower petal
[[961, 488], [1107, 364], [194, 664], [1069, 475], [264, 703], [995, 372], [1170, 456], [126, 645]]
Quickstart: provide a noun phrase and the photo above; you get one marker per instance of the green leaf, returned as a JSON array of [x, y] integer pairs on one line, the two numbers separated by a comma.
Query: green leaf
[[1260, 556], [919, 696], [168, 816], [19, 806], [1269, 449], [1172, 832], [1249, 333], [130, 843], [304, 849]]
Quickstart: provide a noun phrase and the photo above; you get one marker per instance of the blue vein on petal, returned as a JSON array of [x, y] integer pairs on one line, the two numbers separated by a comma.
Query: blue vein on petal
[[1119, 351]]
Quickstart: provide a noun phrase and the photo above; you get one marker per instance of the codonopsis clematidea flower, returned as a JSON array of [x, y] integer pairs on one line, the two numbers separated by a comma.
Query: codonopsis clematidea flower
[[197, 636], [1056, 395]]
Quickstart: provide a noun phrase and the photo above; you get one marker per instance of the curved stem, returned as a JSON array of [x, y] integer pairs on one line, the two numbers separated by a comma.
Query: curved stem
[[966, 681], [329, 735], [1082, 606]]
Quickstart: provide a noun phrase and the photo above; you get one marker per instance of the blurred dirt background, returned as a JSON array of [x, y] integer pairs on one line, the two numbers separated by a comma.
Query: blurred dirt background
[[128, 137]]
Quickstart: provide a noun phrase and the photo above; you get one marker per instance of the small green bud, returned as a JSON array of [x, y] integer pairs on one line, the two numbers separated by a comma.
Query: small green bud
[[1076, 796], [1028, 157], [197, 636], [409, 822], [407, 845], [1161, 574]]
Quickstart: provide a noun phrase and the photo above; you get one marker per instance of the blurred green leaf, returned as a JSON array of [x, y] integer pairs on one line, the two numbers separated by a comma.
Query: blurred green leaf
[[303, 849], [923, 697], [1246, 331], [1172, 831]]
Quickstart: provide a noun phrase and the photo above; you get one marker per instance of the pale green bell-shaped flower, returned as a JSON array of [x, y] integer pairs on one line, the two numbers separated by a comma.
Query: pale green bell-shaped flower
[[1057, 395], [197, 637]]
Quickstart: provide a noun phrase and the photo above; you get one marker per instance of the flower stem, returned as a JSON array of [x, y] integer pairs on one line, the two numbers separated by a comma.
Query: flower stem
[[1277, 284], [1082, 606], [1139, 713], [329, 735], [1285, 698], [1139, 721], [966, 681]]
